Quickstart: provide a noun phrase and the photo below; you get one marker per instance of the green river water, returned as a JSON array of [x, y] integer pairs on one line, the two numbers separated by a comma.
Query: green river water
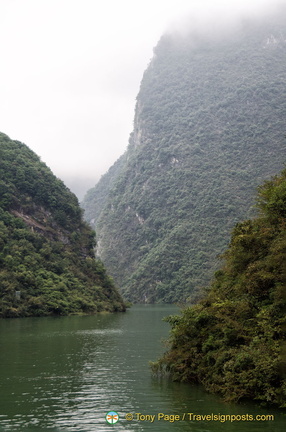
[[64, 374]]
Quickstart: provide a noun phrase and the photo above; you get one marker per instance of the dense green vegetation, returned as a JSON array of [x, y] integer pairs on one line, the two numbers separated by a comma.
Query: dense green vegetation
[[96, 198], [47, 263], [233, 340], [209, 128]]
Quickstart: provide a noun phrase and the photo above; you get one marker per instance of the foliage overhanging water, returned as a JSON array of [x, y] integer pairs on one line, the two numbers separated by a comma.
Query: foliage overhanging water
[[64, 374]]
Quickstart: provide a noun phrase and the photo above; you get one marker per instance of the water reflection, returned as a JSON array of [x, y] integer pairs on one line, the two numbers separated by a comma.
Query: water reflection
[[65, 374]]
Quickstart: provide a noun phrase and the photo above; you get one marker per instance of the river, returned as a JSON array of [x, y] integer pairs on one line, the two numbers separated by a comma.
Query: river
[[65, 374]]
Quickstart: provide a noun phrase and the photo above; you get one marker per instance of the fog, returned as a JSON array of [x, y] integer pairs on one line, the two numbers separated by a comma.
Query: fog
[[71, 70], [220, 15]]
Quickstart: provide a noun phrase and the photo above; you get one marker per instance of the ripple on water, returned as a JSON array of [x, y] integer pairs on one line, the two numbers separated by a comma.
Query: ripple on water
[[65, 374]]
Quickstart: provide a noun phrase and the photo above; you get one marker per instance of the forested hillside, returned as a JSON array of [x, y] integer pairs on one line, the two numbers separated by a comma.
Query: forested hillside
[[47, 263], [234, 340], [209, 127]]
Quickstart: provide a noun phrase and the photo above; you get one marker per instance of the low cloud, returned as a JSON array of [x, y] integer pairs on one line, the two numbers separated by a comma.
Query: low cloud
[[71, 70], [215, 17]]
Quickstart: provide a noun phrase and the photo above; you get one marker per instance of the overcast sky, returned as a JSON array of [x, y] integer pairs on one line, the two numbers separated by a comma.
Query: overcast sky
[[70, 72]]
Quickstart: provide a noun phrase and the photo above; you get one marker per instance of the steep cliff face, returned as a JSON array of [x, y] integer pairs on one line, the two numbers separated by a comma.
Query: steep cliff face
[[209, 127], [47, 263]]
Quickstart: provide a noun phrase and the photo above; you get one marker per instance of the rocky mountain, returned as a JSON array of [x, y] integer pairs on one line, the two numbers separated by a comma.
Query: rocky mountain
[[209, 127], [47, 263]]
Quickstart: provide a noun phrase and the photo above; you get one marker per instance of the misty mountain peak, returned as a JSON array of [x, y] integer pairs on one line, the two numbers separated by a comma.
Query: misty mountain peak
[[208, 129]]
